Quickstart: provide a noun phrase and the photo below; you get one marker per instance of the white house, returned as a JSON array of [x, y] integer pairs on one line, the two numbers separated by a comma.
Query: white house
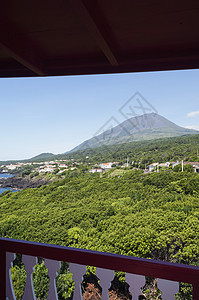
[[106, 165], [152, 166], [12, 167], [63, 166], [164, 165], [96, 171], [175, 163], [47, 169]]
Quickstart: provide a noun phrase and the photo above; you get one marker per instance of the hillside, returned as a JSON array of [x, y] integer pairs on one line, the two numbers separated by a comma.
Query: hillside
[[152, 216], [42, 157], [144, 152], [86, 203], [140, 128], [163, 135], [161, 150]]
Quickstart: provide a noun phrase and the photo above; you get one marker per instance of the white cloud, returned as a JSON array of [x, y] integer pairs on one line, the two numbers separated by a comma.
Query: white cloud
[[193, 113], [195, 127]]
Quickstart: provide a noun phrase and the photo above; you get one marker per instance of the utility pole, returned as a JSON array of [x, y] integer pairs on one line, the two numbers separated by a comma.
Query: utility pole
[[182, 166], [127, 162]]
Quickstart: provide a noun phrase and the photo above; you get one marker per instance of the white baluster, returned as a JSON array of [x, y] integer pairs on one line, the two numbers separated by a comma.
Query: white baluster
[[78, 272], [29, 262], [10, 295], [168, 288], [53, 267], [105, 276], [136, 282]]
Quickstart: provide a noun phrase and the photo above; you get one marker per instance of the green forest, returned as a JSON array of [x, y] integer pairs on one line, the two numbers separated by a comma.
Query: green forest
[[145, 215], [145, 152], [165, 149]]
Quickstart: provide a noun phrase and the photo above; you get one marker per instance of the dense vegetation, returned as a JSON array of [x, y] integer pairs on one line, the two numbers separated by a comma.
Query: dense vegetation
[[144, 152], [160, 150], [153, 216]]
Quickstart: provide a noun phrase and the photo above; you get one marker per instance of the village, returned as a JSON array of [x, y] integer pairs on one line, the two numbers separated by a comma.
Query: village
[[60, 166], [40, 167]]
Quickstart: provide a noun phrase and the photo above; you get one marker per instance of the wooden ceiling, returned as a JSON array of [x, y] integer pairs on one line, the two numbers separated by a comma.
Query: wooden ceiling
[[75, 37]]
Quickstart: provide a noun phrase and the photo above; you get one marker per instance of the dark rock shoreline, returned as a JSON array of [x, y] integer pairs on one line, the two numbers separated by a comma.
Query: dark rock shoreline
[[20, 183]]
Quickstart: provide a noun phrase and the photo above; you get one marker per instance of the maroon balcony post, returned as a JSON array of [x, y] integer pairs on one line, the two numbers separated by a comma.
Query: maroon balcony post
[[196, 291], [2, 273]]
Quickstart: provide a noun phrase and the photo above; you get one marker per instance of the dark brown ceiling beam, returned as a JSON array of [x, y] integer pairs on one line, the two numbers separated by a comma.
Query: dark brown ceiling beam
[[141, 64], [95, 30], [22, 51]]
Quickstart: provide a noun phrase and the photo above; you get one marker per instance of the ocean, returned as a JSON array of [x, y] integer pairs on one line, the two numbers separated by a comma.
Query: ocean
[[4, 189], [4, 175]]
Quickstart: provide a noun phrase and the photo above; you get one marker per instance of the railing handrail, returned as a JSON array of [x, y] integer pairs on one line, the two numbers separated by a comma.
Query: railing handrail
[[129, 264]]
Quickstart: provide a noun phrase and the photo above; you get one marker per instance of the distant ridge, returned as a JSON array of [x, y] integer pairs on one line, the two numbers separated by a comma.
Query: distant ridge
[[145, 127], [39, 158], [137, 129], [42, 156]]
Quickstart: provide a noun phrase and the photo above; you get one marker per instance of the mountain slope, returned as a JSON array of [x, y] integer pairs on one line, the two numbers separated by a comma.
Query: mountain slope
[[144, 127], [42, 156]]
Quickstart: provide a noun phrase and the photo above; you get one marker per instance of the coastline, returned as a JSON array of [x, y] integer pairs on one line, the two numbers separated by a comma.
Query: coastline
[[3, 177], [18, 183]]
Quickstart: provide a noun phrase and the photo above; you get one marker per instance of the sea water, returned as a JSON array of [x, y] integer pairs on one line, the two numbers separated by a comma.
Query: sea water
[[5, 175]]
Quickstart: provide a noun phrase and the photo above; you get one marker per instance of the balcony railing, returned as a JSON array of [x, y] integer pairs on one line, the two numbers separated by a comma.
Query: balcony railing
[[169, 274]]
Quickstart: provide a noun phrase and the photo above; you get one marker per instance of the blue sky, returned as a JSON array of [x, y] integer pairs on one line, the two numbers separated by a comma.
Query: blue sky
[[55, 114]]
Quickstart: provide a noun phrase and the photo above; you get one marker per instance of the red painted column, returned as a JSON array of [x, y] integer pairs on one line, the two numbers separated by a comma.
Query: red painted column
[[2, 274], [196, 291]]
